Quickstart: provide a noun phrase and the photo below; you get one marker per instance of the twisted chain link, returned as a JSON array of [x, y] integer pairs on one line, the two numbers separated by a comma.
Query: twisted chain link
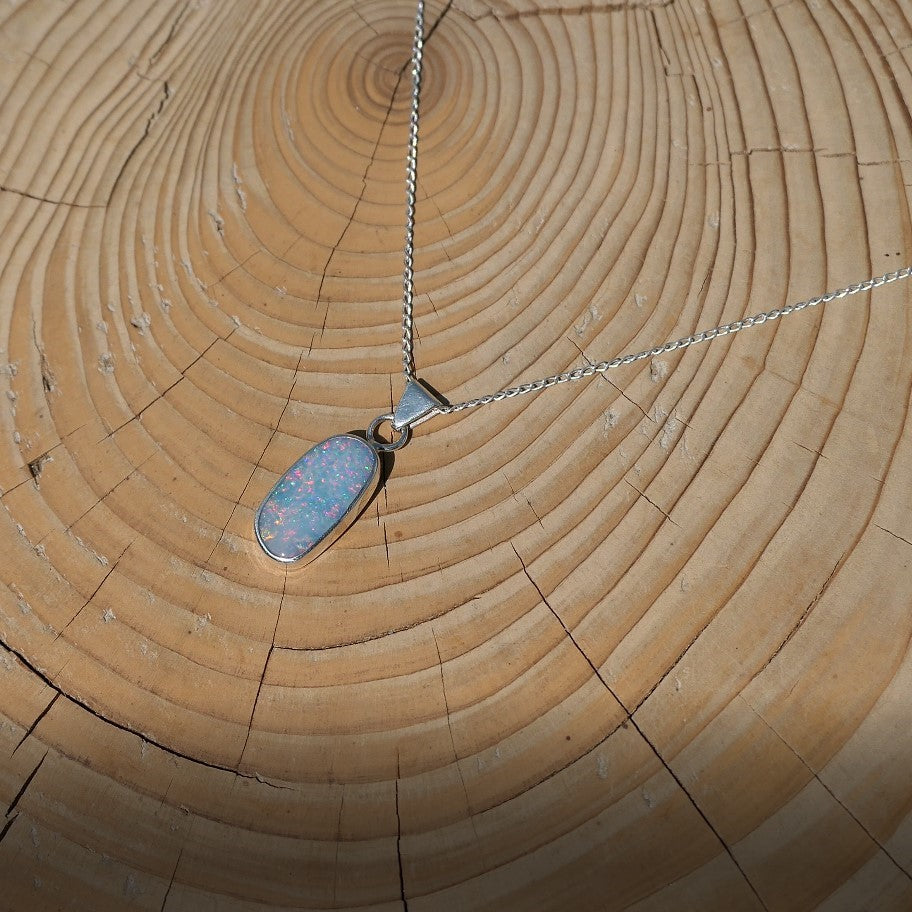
[[705, 335], [411, 189], [534, 386]]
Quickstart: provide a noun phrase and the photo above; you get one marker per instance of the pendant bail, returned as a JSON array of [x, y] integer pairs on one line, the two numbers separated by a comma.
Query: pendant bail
[[417, 404]]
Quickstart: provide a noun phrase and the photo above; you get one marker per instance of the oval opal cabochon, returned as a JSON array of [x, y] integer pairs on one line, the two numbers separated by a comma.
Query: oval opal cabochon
[[317, 498]]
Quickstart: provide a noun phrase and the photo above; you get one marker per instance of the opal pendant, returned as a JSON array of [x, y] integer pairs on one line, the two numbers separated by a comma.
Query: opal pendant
[[323, 493], [317, 499]]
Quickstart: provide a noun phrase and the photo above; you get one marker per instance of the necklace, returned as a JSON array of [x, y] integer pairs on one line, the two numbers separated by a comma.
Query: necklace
[[325, 490]]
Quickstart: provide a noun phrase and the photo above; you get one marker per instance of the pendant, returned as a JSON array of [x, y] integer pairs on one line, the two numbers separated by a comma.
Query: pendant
[[326, 490]]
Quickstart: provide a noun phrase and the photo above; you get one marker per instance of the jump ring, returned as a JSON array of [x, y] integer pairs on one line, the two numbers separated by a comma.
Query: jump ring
[[382, 445]]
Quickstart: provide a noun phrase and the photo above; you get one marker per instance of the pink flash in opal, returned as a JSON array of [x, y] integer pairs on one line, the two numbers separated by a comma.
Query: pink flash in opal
[[317, 498]]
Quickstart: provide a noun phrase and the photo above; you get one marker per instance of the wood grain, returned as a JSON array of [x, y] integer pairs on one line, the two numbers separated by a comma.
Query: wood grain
[[640, 642]]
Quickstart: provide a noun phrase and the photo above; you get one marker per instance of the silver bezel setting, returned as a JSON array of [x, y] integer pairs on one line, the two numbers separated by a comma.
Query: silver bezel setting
[[344, 521]]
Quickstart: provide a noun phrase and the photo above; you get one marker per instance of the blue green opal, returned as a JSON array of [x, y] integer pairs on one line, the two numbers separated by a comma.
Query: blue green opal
[[317, 498]]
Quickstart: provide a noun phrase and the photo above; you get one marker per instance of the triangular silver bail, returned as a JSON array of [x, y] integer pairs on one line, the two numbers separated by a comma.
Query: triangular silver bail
[[417, 402]]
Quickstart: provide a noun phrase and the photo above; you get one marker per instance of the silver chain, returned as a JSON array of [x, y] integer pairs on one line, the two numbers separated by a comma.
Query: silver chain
[[411, 189], [706, 335]]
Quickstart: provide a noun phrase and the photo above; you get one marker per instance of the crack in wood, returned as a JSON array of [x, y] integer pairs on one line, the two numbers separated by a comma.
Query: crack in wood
[[360, 15], [828, 790], [91, 598], [525, 499], [386, 545], [674, 664], [399, 837], [48, 381], [650, 501], [666, 60], [804, 614], [153, 59], [894, 534], [809, 449], [34, 724], [354, 211], [699, 810], [566, 629], [273, 432], [7, 825], [338, 846], [99, 501], [164, 392], [373, 155], [603, 376], [630, 718], [165, 96], [171, 882], [28, 781], [256, 699], [120, 726], [53, 202], [456, 758]]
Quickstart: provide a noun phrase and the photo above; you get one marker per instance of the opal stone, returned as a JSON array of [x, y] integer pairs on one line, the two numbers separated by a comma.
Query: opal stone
[[317, 498]]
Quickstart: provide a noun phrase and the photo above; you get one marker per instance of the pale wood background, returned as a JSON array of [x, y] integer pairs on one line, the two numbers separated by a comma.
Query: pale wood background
[[635, 643]]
